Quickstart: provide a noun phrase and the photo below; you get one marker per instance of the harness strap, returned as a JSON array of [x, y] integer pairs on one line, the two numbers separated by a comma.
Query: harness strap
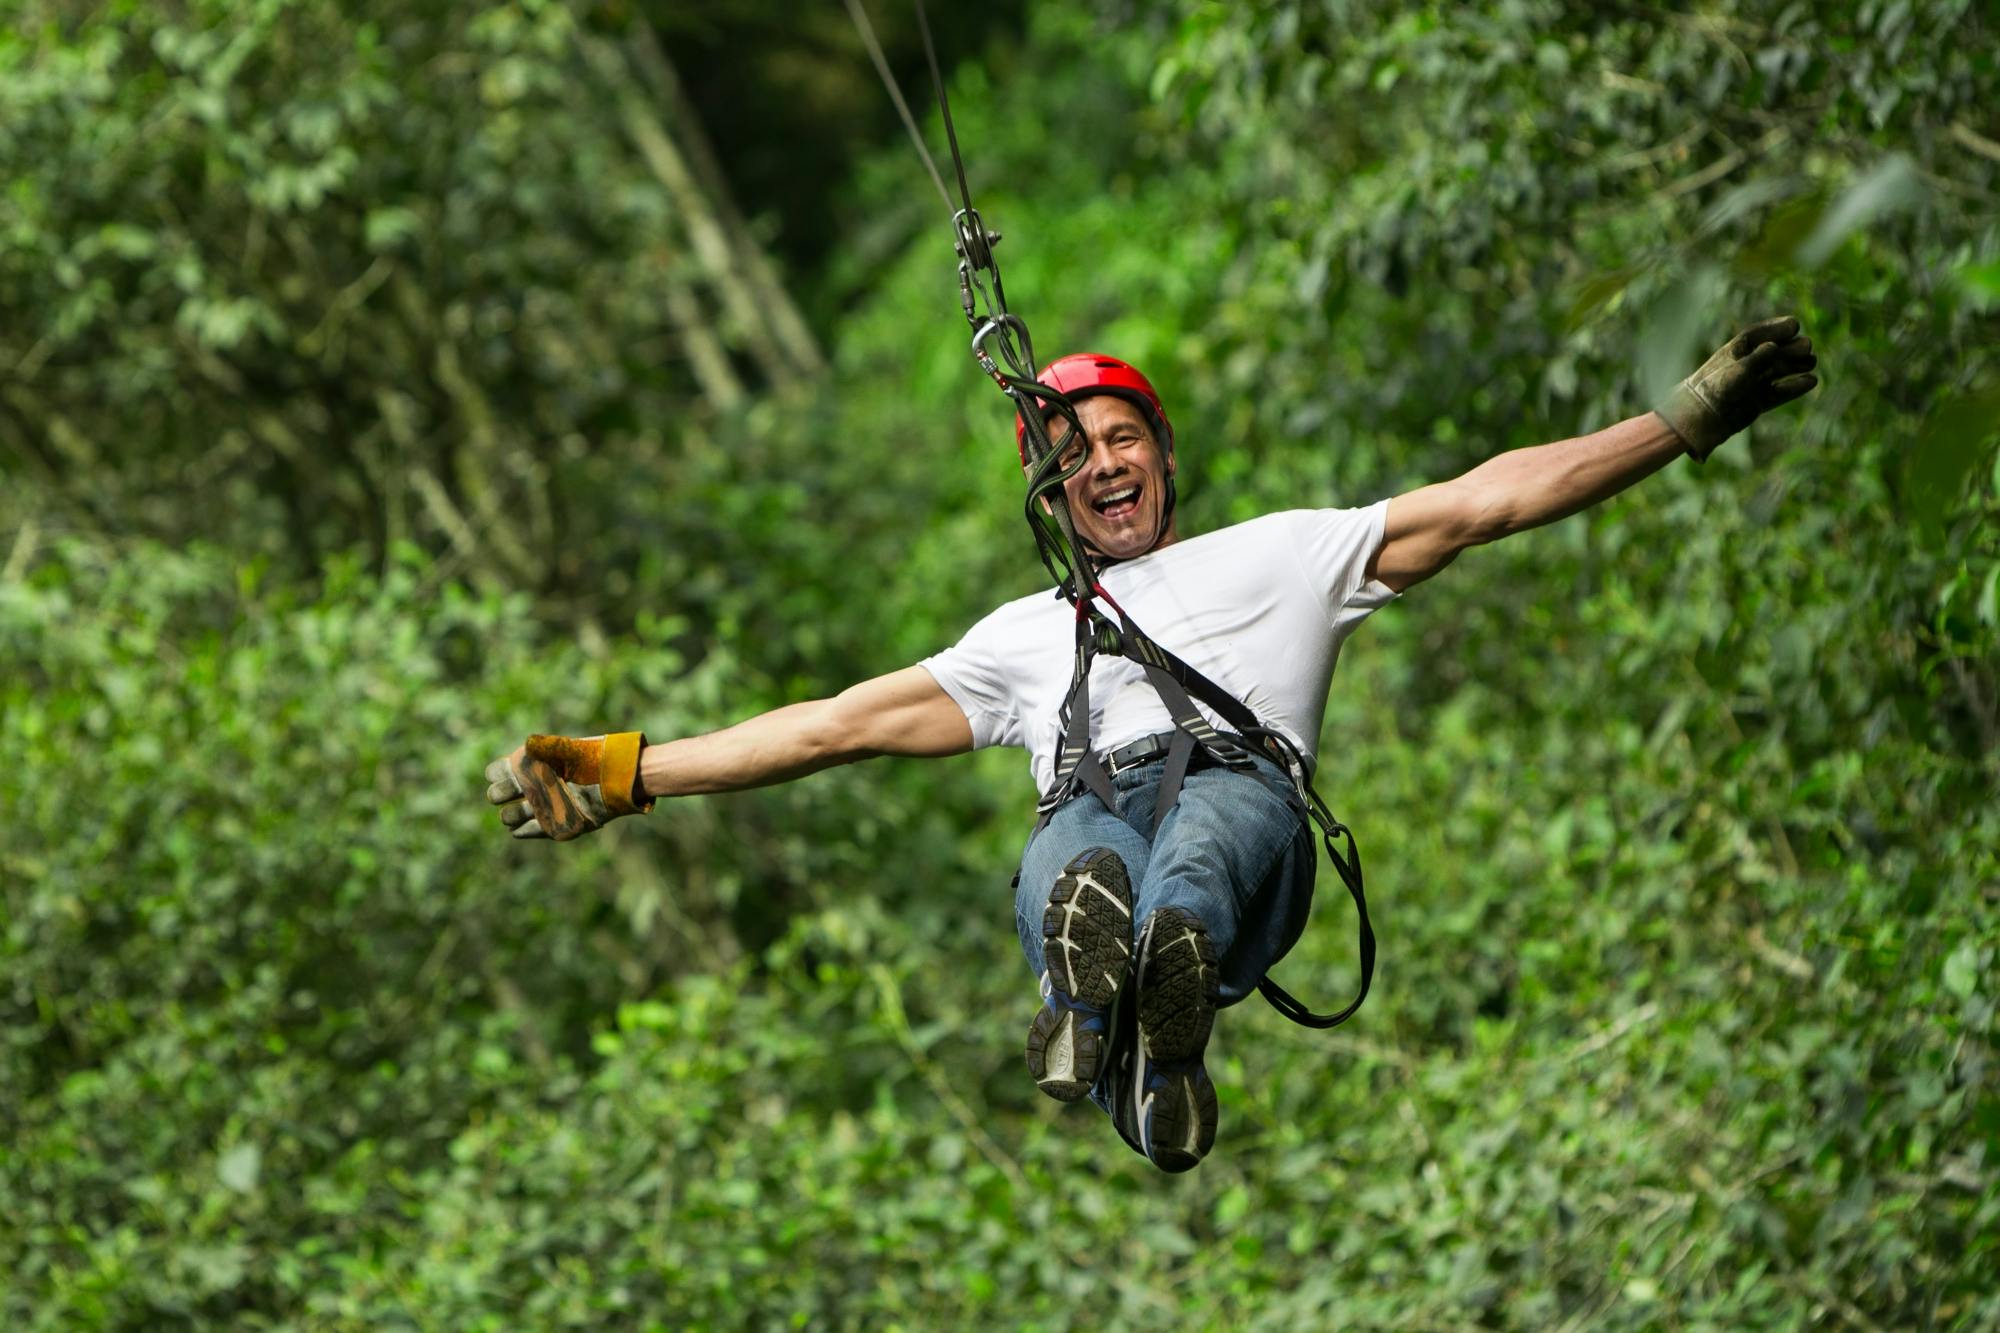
[[1178, 685], [1090, 773], [1182, 680], [1076, 706], [1078, 769], [1180, 752], [1349, 867]]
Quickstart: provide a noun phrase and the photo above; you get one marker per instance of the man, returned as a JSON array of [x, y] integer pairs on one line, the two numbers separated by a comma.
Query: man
[[1181, 911]]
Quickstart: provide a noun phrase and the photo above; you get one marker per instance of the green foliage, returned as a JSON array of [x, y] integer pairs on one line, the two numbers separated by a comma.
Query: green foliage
[[269, 961], [313, 276], [1679, 816]]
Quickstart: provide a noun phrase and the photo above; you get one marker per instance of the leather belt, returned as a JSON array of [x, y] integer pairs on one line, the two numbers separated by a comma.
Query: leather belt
[[1142, 751]]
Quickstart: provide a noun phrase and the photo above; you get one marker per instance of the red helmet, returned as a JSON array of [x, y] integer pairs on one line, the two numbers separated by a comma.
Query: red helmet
[[1084, 373]]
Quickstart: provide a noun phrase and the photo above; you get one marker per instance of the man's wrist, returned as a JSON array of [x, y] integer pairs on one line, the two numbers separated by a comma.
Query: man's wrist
[[618, 776], [1692, 422]]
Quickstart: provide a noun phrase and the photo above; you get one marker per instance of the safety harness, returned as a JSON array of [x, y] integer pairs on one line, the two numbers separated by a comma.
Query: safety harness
[[1004, 351]]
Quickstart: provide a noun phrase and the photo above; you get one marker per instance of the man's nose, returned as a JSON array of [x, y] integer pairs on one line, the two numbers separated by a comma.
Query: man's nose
[[1104, 460]]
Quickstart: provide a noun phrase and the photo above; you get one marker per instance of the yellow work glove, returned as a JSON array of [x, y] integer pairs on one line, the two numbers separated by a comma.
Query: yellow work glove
[[1765, 366], [563, 787]]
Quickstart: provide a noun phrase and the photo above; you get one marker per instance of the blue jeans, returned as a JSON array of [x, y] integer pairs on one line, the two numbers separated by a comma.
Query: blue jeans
[[1236, 851]]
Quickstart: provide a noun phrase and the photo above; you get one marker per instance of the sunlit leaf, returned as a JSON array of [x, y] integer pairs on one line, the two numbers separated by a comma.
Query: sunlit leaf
[[1597, 292], [1962, 971], [1890, 187], [239, 1168], [1684, 325], [1745, 199], [1981, 283]]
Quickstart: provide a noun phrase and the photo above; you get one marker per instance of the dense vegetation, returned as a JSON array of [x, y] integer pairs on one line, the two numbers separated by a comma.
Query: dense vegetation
[[381, 382]]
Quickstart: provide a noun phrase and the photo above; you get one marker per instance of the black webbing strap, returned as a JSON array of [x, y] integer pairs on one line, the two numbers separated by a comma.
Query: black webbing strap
[[1075, 720], [1076, 707], [1078, 769], [1156, 662], [1180, 753], [1095, 780], [1175, 680], [1349, 867]]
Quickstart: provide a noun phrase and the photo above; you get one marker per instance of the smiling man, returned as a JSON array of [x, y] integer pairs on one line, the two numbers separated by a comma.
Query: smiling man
[[1144, 905]]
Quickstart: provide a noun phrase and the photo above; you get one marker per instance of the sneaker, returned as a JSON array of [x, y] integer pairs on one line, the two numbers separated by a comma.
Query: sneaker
[[1087, 951], [1164, 1104]]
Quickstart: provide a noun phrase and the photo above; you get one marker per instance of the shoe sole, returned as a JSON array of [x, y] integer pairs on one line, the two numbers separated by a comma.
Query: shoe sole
[[1179, 984], [1087, 949]]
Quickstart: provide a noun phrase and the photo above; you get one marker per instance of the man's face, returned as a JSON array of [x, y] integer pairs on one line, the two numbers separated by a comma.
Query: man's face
[[1117, 496]]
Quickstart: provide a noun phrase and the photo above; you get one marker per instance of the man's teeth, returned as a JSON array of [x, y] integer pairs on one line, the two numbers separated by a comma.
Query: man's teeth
[[1117, 498]]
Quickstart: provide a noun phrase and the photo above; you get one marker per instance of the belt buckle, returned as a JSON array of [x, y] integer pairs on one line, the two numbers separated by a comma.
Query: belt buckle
[[1148, 748]]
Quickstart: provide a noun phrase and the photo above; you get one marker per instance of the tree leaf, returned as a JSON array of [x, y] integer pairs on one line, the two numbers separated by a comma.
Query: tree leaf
[[1981, 283], [1961, 970], [1679, 330], [240, 1167], [1892, 186]]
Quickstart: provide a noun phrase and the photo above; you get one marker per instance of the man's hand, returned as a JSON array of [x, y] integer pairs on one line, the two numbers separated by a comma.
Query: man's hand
[[563, 787], [1765, 366]]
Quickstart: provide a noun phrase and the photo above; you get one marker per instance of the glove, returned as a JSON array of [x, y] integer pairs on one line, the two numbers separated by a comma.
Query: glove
[[563, 787], [1762, 367]]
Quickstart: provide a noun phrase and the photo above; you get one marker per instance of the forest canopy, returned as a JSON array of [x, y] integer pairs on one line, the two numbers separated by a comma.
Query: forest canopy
[[380, 383]]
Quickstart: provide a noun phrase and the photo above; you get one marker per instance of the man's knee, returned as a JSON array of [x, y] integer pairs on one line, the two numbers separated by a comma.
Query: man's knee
[[1077, 827]]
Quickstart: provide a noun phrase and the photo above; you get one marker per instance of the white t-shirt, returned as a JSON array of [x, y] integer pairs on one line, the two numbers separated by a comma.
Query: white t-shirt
[[1260, 608]]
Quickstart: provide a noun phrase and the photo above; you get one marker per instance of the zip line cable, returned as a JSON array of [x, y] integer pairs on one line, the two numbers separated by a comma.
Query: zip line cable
[[975, 242], [1000, 340], [944, 105], [867, 30]]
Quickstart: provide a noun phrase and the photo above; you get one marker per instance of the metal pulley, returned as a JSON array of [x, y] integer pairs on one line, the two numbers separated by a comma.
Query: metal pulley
[[975, 242]]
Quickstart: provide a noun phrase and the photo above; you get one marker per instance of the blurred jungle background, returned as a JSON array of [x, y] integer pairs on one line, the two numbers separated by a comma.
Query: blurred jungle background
[[380, 382]]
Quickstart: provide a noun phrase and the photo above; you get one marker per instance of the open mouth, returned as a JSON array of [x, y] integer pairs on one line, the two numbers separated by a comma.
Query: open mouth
[[1118, 503]]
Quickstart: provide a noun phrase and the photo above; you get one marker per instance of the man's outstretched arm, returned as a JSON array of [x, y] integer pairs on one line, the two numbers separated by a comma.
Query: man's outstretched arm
[[905, 712], [1762, 367], [563, 787], [1515, 491]]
